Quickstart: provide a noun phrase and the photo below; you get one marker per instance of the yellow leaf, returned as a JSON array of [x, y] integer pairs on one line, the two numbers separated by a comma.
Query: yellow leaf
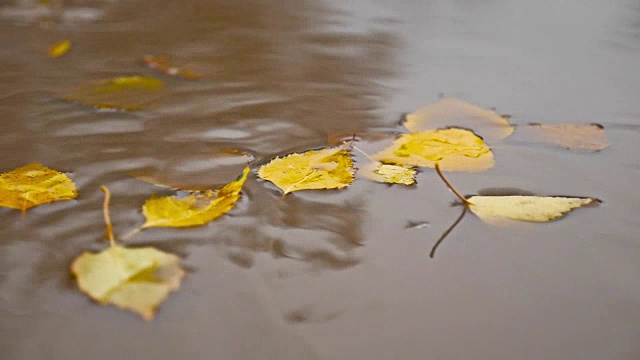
[[316, 169], [59, 49], [121, 93], [390, 174], [523, 208], [581, 137], [136, 279], [161, 63], [454, 149], [34, 184], [194, 209], [459, 113]]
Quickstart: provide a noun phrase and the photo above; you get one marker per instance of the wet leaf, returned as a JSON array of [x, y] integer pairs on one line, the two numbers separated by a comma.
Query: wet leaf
[[161, 63], [316, 169], [523, 208], [59, 49], [34, 184], [135, 279], [454, 149], [387, 173], [194, 209], [455, 112], [581, 137], [121, 93]]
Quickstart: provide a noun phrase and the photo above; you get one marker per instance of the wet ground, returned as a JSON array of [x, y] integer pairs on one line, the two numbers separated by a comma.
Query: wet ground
[[326, 274]]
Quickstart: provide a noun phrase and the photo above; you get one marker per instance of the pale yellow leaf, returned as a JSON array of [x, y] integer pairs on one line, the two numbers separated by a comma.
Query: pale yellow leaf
[[121, 93], [316, 169], [454, 149], [455, 112], [387, 173], [135, 279], [523, 208], [194, 209], [581, 137], [34, 184]]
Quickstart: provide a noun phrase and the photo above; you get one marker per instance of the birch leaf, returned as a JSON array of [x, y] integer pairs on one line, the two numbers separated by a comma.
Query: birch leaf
[[121, 93], [135, 279], [34, 184], [580, 137], [316, 169], [523, 208], [59, 49], [387, 173], [459, 113], [194, 209], [454, 149]]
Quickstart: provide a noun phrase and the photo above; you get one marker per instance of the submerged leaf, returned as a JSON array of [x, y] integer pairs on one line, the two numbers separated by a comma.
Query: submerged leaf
[[120, 93], [387, 173], [454, 149], [34, 184], [59, 49], [316, 169], [459, 113], [161, 63], [581, 137], [194, 209], [523, 208], [135, 279]]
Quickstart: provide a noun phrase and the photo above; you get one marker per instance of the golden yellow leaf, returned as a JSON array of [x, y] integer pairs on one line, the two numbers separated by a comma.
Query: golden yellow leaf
[[454, 149], [387, 173], [523, 208], [34, 184], [121, 93], [194, 209], [581, 137], [135, 279], [450, 112], [59, 49], [316, 169]]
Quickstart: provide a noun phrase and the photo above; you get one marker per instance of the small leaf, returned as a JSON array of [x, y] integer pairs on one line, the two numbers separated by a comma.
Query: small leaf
[[523, 208], [387, 173], [454, 112], [161, 63], [194, 209], [454, 149], [135, 279], [59, 49], [34, 184], [580, 137], [316, 169], [121, 93]]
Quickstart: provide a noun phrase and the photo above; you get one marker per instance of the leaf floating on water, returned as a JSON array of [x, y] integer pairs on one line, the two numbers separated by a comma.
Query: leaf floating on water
[[312, 170], [524, 208], [59, 49], [454, 149], [387, 173], [455, 112], [135, 279], [34, 184], [129, 93], [194, 209], [161, 63], [580, 137]]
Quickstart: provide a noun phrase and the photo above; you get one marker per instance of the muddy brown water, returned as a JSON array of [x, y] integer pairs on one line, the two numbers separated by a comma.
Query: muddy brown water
[[326, 274]]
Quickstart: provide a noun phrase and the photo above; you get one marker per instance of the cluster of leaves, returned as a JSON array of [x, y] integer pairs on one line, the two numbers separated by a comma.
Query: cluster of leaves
[[140, 279]]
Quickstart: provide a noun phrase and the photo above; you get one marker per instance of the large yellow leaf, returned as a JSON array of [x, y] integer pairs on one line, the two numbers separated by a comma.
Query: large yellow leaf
[[581, 137], [523, 208], [459, 113], [34, 184], [316, 169], [194, 209], [387, 173], [120, 93], [136, 279], [454, 149]]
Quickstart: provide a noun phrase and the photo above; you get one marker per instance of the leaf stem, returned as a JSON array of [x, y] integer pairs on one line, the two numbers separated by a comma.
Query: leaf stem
[[446, 233], [363, 153], [462, 198], [107, 216]]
